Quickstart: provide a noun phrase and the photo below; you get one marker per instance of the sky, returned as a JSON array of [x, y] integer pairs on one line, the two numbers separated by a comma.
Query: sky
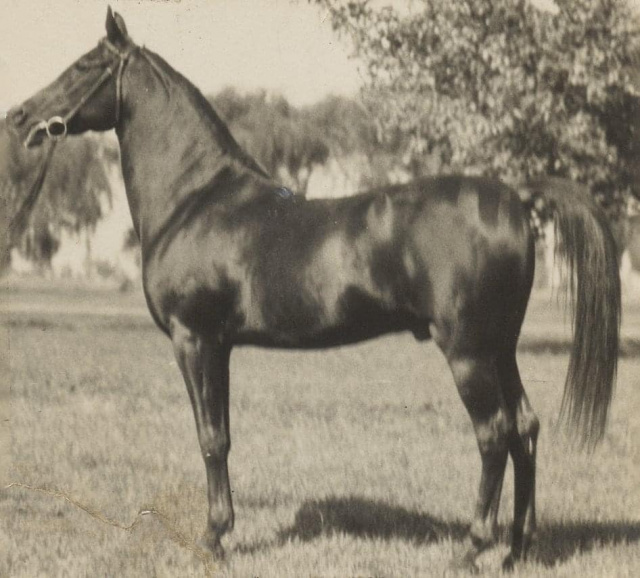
[[284, 46]]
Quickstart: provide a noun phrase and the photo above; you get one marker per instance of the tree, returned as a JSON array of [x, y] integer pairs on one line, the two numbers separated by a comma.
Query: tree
[[74, 190], [350, 131], [278, 135], [289, 142], [500, 88], [344, 124]]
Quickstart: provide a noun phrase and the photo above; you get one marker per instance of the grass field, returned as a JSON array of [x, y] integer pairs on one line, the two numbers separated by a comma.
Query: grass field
[[358, 461]]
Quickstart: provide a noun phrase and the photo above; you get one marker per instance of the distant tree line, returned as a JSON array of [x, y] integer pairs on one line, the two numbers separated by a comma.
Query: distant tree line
[[501, 88], [290, 141]]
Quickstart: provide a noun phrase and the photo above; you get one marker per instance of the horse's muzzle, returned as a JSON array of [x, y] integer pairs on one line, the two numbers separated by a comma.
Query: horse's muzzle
[[16, 116]]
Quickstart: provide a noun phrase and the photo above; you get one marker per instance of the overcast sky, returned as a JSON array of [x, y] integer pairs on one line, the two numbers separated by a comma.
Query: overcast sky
[[281, 45]]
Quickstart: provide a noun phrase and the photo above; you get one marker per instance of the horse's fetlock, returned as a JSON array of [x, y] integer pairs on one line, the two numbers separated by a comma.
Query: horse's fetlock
[[221, 521], [220, 525], [483, 534]]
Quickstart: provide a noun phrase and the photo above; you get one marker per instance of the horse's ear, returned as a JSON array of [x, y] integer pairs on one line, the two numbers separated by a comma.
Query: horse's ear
[[116, 28]]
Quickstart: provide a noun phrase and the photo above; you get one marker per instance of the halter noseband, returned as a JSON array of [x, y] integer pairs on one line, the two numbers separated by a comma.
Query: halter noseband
[[56, 126]]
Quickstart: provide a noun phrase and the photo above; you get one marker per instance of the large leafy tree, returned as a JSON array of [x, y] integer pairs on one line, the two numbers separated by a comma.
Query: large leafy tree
[[74, 191], [499, 87]]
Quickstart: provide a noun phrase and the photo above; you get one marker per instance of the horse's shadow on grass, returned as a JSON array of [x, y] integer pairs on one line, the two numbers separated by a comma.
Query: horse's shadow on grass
[[364, 518], [556, 542]]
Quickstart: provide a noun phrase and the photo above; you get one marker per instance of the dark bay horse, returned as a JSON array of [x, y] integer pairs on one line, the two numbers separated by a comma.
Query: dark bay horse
[[230, 258]]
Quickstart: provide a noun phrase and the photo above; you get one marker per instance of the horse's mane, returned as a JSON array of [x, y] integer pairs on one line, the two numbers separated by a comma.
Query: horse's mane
[[219, 129]]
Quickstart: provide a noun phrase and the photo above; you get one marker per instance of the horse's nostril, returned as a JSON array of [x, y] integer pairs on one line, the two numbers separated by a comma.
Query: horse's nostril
[[17, 115]]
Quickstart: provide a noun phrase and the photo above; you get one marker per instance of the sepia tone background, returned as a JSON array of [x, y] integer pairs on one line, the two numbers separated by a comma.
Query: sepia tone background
[[355, 462]]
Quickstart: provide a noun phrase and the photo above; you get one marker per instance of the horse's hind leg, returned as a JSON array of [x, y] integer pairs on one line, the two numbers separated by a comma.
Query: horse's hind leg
[[205, 367], [478, 384], [522, 447]]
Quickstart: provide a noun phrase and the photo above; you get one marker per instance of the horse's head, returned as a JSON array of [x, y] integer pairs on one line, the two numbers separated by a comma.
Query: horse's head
[[86, 96]]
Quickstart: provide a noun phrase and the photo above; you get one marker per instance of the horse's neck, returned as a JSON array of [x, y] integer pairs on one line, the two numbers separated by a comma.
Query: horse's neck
[[171, 145]]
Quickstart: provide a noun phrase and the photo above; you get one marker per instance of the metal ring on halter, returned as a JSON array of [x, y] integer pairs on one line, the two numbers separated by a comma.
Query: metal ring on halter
[[56, 126], [56, 121]]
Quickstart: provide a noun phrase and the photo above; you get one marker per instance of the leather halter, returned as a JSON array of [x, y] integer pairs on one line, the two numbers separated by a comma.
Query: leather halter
[[60, 122]]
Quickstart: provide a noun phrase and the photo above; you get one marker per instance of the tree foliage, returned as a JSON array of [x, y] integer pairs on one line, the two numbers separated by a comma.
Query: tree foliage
[[499, 87], [345, 125], [73, 194], [277, 134], [291, 141]]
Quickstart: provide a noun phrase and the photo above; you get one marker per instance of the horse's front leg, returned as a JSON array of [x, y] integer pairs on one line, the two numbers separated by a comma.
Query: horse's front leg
[[204, 362]]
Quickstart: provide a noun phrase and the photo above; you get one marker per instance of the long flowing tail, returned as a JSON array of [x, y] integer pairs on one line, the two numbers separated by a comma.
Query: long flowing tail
[[583, 239]]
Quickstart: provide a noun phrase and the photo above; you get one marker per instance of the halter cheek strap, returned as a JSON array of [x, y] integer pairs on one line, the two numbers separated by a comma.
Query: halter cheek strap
[[124, 57]]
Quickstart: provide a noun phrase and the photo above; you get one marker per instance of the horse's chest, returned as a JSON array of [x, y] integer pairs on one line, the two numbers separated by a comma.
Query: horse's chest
[[197, 290]]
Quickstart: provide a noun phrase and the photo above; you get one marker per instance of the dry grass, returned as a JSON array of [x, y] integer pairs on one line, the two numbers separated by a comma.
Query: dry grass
[[353, 462]]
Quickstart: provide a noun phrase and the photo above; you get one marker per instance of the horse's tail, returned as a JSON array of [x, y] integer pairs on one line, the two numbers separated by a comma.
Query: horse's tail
[[585, 242]]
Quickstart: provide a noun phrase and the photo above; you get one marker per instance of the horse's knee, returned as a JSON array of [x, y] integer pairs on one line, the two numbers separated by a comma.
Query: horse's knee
[[183, 338], [215, 447]]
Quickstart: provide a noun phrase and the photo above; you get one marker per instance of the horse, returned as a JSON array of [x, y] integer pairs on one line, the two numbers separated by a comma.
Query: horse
[[231, 258]]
